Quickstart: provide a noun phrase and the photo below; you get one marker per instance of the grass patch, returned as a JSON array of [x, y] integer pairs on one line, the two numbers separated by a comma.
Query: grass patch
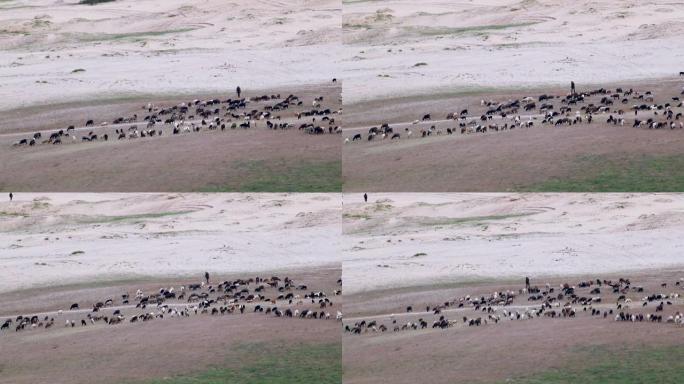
[[281, 176], [437, 221], [11, 32], [12, 214], [133, 218], [437, 31], [356, 216], [628, 174], [602, 365], [268, 363], [94, 2], [355, 26], [134, 36]]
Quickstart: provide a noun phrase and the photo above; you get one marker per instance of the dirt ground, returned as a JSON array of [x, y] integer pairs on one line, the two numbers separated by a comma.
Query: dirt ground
[[463, 354], [208, 160], [170, 346], [495, 161]]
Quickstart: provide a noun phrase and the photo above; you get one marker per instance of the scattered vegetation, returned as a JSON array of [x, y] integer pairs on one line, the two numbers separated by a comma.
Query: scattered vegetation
[[382, 207], [381, 15], [272, 363], [474, 220], [14, 214], [282, 176], [94, 2], [663, 365], [134, 36], [646, 173], [133, 218], [356, 216], [436, 31]]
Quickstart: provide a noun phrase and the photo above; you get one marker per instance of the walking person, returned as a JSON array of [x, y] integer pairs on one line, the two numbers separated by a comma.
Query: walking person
[[206, 276], [11, 196], [572, 87], [238, 91], [365, 197], [527, 282]]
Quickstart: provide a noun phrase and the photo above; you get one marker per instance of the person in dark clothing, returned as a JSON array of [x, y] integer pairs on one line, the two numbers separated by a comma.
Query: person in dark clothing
[[238, 91], [527, 282], [11, 196], [206, 276], [365, 197], [572, 87]]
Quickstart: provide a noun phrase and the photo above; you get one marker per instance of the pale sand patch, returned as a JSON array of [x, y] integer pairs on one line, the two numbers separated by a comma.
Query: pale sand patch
[[467, 45], [129, 47], [57, 239], [407, 239]]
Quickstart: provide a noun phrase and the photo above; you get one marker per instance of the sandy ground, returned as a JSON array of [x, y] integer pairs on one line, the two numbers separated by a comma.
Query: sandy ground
[[60, 249], [505, 160], [424, 250], [57, 239], [393, 48], [205, 160], [170, 345], [128, 47], [520, 347], [410, 239]]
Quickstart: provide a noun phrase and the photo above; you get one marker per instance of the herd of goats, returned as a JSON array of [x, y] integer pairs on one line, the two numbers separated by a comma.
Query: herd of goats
[[618, 300], [200, 115], [216, 114], [571, 109], [285, 299]]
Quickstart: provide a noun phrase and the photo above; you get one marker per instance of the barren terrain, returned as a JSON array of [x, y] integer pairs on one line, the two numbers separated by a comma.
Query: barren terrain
[[583, 157], [168, 345], [415, 239], [230, 159], [58, 239], [111, 288]]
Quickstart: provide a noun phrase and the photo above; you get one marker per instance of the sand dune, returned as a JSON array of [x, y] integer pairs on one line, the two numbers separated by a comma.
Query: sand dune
[[53, 239], [417, 239], [61, 51], [395, 49]]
